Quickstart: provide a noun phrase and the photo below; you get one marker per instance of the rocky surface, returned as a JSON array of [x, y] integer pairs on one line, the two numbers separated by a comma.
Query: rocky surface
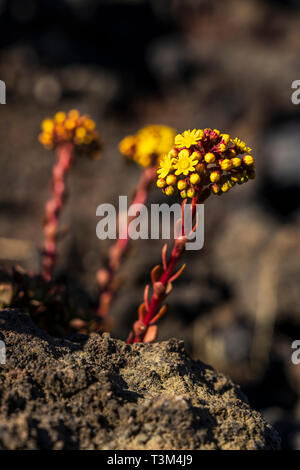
[[99, 393]]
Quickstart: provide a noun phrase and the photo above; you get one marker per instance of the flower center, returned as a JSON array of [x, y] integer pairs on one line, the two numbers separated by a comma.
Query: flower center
[[185, 163]]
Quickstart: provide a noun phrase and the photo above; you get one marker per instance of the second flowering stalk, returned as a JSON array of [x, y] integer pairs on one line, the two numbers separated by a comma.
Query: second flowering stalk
[[145, 148]]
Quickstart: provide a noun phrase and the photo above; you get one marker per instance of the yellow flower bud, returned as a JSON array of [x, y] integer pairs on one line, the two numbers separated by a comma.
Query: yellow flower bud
[[194, 178], [89, 124], [209, 157], [60, 117], [190, 192], [126, 146], [225, 187], [215, 188], [80, 132], [184, 153], [182, 184], [216, 131], [169, 190], [48, 125], [226, 164], [45, 139], [183, 194], [196, 155], [173, 153], [225, 138], [215, 176], [248, 160], [161, 183], [70, 124], [243, 179], [171, 180], [221, 147], [236, 162], [73, 114]]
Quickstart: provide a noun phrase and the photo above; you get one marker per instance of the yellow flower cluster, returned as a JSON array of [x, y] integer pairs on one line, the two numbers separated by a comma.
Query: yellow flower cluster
[[204, 158], [71, 127], [148, 145]]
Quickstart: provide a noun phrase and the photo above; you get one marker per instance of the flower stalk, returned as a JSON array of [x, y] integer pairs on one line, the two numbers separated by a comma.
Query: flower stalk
[[162, 276], [64, 133], [106, 277], [64, 155], [145, 148]]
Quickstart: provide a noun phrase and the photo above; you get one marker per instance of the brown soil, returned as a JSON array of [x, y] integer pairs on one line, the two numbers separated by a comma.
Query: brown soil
[[99, 393]]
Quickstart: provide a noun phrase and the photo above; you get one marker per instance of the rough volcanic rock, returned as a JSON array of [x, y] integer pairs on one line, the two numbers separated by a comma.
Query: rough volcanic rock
[[99, 393]]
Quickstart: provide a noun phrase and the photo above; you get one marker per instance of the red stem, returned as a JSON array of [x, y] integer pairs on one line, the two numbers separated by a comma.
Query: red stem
[[106, 278], [53, 208], [140, 327]]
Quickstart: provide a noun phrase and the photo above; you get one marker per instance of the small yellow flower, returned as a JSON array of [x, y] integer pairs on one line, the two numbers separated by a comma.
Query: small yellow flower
[[165, 166], [183, 194], [89, 124], [47, 125], [197, 155], [70, 124], [161, 183], [209, 157], [241, 146], [248, 159], [182, 184], [225, 138], [236, 162], [194, 178], [184, 164], [46, 140], [188, 138], [215, 188], [71, 127], [221, 147], [126, 146], [185, 153], [215, 176], [169, 190], [80, 132], [149, 145], [171, 180], [225, 187], [60, 117], [173, 153], [74, 114], [190, 192], [226, 164]]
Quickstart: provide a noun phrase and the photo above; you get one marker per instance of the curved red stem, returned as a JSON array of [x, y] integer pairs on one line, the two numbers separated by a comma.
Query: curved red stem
[[140, 328]]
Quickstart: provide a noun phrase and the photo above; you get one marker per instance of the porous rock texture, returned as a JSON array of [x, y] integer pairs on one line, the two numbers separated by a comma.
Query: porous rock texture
[[99, 393]]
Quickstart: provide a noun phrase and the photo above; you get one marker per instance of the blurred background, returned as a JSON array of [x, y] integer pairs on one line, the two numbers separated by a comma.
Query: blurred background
[[189, 63]]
